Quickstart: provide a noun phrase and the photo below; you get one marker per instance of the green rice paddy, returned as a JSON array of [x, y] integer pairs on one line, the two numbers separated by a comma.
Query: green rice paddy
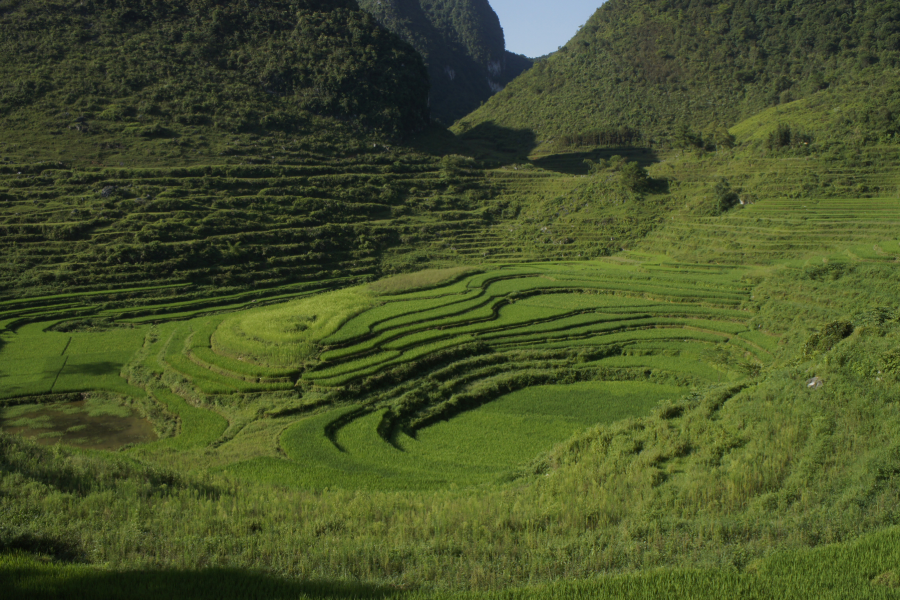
[[534, 416], [323, 352]]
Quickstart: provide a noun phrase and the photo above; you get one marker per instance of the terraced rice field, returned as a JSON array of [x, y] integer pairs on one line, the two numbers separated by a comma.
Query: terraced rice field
[[663, 379], [177, 242], [36, 362], [773, 230], [418, 387], [405, 383], [796, 208]]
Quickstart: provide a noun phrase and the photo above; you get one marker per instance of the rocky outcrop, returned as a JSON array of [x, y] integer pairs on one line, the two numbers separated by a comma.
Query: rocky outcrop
[[463, 45]]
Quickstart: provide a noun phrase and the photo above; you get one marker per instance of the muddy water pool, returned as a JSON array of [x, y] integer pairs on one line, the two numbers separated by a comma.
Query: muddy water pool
[[96, 423]]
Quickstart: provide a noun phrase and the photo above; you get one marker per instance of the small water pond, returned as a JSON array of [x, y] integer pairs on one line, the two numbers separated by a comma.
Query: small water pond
[[95, 423]]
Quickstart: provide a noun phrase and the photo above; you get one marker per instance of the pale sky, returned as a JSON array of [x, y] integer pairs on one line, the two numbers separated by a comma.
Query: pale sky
[[538, 27]]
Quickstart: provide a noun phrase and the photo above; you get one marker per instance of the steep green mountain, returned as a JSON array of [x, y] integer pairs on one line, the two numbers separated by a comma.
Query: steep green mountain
[[462, 43], [152, 68], [675, 69]]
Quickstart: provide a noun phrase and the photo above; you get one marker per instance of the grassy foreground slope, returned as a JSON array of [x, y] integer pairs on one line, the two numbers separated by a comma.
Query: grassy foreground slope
[[783, 576]]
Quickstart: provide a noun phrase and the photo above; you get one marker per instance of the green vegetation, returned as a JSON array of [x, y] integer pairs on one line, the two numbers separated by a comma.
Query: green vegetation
[[256, 343], [246, 239], [684, 385], [788, 575], [169, 67], [420, 279], [286, 335], [680, 73]]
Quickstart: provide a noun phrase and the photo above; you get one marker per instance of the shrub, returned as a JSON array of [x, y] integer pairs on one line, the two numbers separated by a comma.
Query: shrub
[[785, 137], [631, 175], [827, 337], [725, 197]]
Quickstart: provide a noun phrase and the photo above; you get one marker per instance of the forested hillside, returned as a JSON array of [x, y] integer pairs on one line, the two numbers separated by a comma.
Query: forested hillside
[[462, 43], [150, 69], [90, 87], [674, 70]]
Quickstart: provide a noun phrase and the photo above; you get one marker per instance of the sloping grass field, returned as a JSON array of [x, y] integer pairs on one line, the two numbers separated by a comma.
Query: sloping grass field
[[640, 424]]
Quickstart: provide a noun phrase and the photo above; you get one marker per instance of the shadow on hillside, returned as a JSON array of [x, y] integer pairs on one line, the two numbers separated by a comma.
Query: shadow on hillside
[[40, 582], [485, 141], [572, 163], [58, 548], [504, 146], [501, 141], [103, 367]]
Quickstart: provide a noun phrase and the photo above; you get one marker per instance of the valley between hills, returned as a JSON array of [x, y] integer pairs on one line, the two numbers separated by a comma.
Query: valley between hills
[[628, 327]]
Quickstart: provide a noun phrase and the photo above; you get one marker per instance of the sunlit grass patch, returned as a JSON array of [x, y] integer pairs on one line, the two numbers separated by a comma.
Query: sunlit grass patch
[[421, 279], [205, 379], [686, 363], [125, 340], [346, 372], [475, 447], [517, 427], [22, 346], [287, 334], [397, 313]]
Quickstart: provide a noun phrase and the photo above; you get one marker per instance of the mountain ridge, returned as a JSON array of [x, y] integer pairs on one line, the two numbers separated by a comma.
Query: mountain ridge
[[463, 45]]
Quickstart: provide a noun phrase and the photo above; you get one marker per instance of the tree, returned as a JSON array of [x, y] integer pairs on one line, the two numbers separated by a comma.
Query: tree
[[635, 177]]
